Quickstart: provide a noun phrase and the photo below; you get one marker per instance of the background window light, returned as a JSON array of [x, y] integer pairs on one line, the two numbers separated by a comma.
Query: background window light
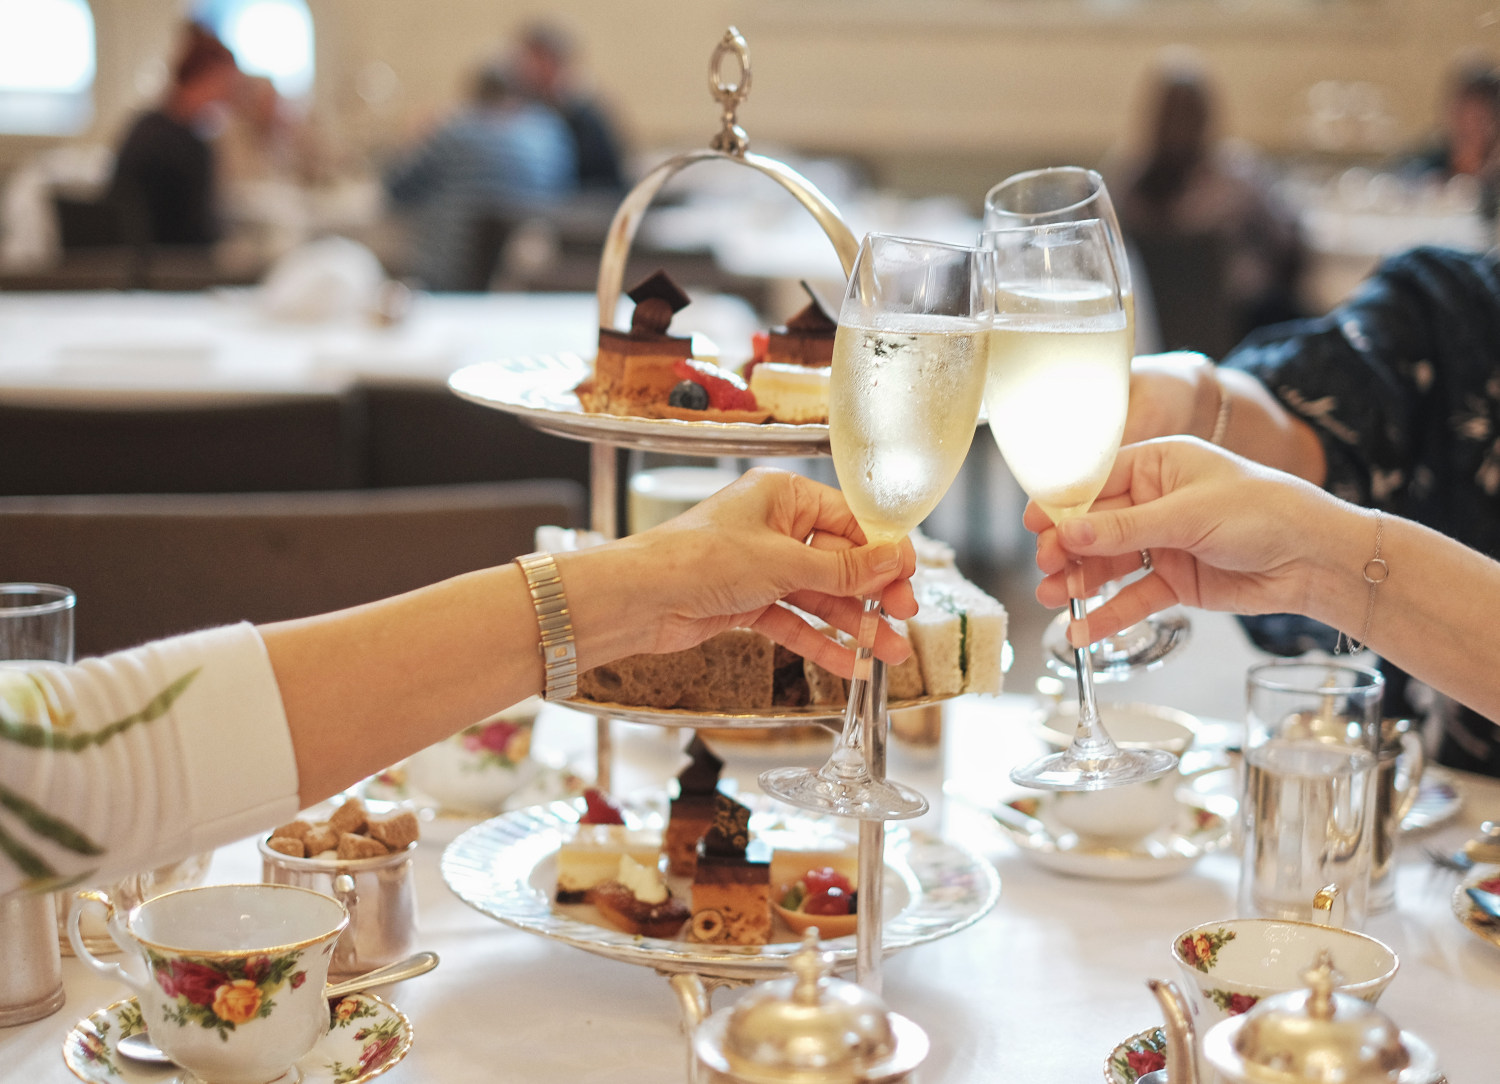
[[46, 66]]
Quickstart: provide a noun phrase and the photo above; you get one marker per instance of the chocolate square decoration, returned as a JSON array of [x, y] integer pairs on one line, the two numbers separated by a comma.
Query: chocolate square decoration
[[702, 775], [729, 835]]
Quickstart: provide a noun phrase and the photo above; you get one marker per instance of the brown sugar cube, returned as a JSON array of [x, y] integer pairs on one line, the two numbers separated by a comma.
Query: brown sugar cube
[[353, 846], [397, 832], [321, 838], [287, 845], [349, 817], [297, 830]]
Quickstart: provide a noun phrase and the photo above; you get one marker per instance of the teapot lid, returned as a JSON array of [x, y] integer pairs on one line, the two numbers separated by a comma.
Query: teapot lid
[[1318, 1035], [810, 1028]]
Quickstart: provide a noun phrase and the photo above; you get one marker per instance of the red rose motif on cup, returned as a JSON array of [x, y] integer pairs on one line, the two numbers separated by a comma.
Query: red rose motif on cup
[[183, 978], [298, 979], [1145, 1061], [1241, 1003], [257, 968]]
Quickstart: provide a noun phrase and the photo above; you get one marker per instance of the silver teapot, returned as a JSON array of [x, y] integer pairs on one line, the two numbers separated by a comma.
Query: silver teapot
[[808, 1028], [1313, 1036]]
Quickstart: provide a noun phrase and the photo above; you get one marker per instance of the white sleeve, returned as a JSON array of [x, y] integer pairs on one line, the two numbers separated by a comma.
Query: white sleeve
[[124, 762]]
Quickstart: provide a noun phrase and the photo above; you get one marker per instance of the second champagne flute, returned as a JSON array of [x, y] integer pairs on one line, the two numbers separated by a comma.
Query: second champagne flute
[[1057, 392], [908, 377]]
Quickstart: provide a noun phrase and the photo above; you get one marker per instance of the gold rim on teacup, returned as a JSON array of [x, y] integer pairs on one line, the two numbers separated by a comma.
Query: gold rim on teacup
[[338, 927]]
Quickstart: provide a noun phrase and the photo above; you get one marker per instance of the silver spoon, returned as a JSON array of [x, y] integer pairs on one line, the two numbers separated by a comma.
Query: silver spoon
[[139, 1046]]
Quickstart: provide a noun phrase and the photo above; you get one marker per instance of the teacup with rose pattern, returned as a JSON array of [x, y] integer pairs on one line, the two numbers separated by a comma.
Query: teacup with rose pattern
[[229, 977], [1230, 965]]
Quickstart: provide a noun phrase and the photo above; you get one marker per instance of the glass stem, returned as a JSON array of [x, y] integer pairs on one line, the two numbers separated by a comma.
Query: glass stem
[[1091, 741], [859, 753]]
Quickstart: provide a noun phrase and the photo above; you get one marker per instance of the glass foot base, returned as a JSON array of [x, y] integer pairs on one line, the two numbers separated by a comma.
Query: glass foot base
[[865, 800], [1068, 771], [1142, 646]]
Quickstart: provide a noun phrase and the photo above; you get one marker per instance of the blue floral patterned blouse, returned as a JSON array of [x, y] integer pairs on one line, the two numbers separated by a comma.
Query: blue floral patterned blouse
[[1402, 386]]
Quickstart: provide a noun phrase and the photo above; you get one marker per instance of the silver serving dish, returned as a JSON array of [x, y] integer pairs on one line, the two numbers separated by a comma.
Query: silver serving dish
[[506, 868]]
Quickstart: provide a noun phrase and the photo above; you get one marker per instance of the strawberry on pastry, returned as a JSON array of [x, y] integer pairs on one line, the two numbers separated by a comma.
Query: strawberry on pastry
[[726, 391]]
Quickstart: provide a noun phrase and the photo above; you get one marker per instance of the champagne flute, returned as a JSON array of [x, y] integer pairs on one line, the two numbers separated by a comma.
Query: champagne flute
[[1072, 194], [1056, 393], [908, 376]]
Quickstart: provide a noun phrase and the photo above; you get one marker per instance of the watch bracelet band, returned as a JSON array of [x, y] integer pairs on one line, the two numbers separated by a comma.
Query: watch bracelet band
[[559, 652]]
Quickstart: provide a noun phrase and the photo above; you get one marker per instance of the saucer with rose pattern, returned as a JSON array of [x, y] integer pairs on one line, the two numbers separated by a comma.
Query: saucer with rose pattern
[[366, 1036]]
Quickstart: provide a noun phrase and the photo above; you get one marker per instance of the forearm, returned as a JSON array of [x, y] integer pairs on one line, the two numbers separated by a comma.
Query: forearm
[[1185, 393], [366, 686], [1433, 616], [1258, 427]]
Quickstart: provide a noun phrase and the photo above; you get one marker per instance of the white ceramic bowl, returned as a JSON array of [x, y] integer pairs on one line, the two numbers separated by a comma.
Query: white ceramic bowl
[[1122, 815]]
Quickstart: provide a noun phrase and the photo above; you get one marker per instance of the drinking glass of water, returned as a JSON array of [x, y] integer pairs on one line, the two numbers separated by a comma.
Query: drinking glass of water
[[1312, 745]]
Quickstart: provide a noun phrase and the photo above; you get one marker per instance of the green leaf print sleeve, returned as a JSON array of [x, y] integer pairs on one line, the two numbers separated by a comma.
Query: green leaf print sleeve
[[118, 764]]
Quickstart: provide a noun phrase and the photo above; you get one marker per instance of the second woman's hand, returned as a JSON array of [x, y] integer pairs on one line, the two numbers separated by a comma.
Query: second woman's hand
[[1224, 534]]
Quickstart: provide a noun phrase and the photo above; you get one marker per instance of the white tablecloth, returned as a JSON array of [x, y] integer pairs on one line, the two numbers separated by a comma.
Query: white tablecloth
[[1040, 990], [152, 347]]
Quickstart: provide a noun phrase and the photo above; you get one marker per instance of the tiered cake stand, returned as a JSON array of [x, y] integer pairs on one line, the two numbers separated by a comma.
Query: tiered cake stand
[[494, 867]]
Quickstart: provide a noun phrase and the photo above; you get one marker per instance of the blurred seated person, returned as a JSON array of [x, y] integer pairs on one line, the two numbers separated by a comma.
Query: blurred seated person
[[1470, 140], [164, 183], [501, 155], [547, 70], [1188, 184], [261, 140], [1391, 401]]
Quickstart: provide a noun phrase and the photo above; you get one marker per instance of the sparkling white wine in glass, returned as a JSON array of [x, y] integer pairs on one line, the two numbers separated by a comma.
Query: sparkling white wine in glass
[[1058, 376], [1056, 393], [898, 418], [1074, 194]]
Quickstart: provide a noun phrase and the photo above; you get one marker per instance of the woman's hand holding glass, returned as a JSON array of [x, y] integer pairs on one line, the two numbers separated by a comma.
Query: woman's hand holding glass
[[908, 374]]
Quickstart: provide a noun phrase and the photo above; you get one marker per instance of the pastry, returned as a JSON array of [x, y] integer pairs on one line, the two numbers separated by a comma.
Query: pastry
[[807, 338], [690, 813], [649, 373], [634, 368], [638, 901], [732, 882], [792, 393], [592, 856]]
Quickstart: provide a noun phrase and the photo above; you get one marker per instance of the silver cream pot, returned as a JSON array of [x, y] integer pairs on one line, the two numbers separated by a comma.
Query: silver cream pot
[[808, 1028]]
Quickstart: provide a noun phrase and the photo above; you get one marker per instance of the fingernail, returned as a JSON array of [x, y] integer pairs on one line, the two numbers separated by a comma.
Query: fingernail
[[1078, 632], [887, 558], [1079, 532]]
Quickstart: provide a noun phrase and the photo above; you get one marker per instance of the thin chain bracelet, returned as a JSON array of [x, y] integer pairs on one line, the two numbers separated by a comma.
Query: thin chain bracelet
[[1375, 572]]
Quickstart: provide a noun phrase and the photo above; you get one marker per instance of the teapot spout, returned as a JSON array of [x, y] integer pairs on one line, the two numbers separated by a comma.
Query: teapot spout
[[692, 997], [1182, 1056]]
